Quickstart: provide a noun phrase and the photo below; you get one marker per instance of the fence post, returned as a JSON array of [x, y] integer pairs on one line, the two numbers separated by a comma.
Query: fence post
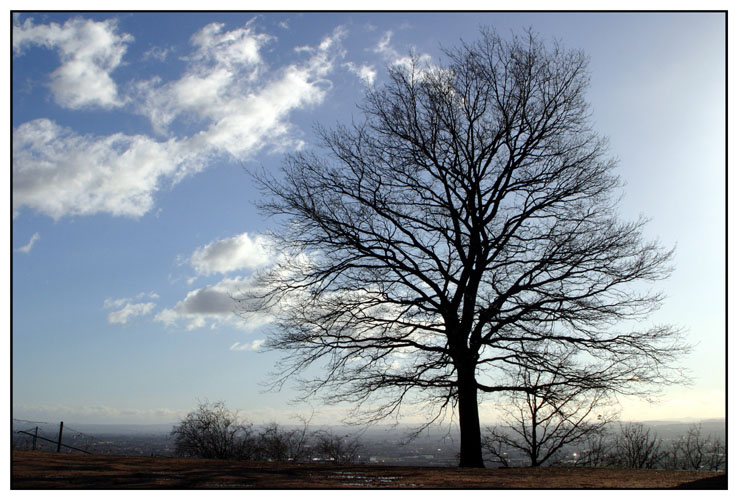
[[58, 445], [35, 436]]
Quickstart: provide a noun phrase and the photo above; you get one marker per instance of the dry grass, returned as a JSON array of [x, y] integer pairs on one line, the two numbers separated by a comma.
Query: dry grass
[[41, 470]]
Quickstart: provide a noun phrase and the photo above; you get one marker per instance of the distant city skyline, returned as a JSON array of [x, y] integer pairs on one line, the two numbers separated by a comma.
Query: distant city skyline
[[133, 218]]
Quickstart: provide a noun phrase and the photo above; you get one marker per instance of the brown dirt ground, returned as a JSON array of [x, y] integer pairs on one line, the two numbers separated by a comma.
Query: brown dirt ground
[[43, 470]]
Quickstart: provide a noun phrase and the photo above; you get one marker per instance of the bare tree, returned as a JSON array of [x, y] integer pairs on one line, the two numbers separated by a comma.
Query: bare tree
[[496, 444], [596, 450], [716, 459], [550, 415], [469, 221], [339, 449], [694, 448], [272, 443], [213, 431], [276, 443], [694, 451], [673, 454], [637, 448], [300, 442]]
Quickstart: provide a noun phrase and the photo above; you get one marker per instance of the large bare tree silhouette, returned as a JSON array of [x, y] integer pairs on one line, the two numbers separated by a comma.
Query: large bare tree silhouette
[[465, 226]]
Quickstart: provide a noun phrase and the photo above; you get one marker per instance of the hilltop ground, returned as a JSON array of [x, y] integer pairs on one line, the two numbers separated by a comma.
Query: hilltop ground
[[42, 470]]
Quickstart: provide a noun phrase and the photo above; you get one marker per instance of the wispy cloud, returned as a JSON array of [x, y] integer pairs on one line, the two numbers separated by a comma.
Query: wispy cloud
[[157, 53], [384, 48], [27, 247], [89, 52], [127, 308], [392, 56], [122, 316], [366, 72], [248, 346]]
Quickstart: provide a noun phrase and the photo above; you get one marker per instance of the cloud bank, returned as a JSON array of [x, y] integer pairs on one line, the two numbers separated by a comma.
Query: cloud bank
[[239, 104]]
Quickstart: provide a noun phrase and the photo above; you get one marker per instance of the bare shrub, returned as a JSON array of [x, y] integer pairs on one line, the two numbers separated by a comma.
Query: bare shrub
[[213, 431], [596, 450], [637, 448], [275, 443], [693, 451], [338, 449]]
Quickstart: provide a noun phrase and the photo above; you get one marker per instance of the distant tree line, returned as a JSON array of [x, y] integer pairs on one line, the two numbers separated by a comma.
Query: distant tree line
[[633, 446], [213, 431]]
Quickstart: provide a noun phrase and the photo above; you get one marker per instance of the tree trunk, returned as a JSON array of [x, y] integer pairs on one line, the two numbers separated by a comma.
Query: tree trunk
[[471, 439], [534, 435]]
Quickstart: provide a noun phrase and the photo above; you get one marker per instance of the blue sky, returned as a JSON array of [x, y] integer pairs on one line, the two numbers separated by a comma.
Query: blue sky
[[133, 217]]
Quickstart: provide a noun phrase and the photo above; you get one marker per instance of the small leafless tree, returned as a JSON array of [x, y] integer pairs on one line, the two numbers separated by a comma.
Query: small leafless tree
[[636, 447], [213, 431], [272, 443], [695, 448], [716, 459], [496, 445], [465, 225], [550, 415], [673, 455], [300, 442], [596, 449], [695, 451]]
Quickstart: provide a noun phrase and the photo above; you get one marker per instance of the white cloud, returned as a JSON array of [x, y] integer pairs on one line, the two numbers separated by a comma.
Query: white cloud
[[89, 52], [58, 172], [112, 303], [246, 116], [241, 109], [394, 58], [232, 254], [253, 346], [222, 66], [384, 48], [27, 248], [167, 316], [366, 72], [227, 86], [212, 306], [157, 53], [122, 316], [127, 308], [230, 49]]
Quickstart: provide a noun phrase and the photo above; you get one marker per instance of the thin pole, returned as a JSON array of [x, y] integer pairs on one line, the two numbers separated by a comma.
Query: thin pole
[[35, 437], [58, 444]]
